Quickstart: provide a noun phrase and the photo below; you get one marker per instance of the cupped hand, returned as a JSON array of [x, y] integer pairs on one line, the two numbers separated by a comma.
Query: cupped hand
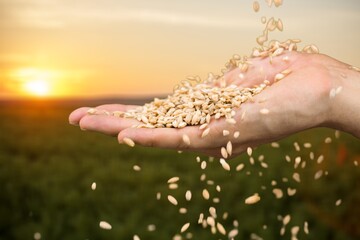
[[295, 103]]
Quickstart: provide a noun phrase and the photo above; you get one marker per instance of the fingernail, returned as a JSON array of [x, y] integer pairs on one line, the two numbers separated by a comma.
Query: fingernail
[[73, 123]]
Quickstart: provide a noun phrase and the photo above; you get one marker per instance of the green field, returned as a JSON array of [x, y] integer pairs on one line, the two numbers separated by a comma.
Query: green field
[[48, 166]]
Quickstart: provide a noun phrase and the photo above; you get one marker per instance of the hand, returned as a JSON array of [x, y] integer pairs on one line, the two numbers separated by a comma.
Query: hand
[[299, 101]]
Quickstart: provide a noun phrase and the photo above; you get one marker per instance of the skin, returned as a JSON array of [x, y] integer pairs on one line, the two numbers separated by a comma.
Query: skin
[[298, 102]]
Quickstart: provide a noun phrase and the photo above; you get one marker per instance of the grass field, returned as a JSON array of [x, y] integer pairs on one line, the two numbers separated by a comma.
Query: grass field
[[48, 166]]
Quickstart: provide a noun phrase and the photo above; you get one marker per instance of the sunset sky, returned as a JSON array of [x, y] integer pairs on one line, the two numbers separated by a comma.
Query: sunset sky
[[94, 48]]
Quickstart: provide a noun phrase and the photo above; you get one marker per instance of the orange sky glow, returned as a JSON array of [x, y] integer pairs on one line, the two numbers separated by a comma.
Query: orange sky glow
[[93, 48]]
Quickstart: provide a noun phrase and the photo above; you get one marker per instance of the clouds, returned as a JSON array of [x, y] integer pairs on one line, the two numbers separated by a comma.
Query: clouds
[[52, 14]]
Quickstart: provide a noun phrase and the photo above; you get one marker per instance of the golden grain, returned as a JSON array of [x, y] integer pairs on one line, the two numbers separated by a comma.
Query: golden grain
[[253, 199], [172, 200], [184, 227], [173, 180], [203, 165], [226, 133], [229, 148], [286, 220], [205, 132], [220, 228], [136, 168], [291, 191], [249, 151], [224, 153], [256, 6], [128, 141], [236, 134], [186, 139], [105, 225], [278, 193], [206, 194], [224, 164], [233, 233], [306, 227], [91, 111]]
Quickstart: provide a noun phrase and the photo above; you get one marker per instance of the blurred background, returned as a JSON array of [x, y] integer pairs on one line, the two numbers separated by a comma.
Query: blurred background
[[59, 55]]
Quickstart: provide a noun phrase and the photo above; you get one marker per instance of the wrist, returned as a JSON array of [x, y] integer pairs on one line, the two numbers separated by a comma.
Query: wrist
[[344, 101]]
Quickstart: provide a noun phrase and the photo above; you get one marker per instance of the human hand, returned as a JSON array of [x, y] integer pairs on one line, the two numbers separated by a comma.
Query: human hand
[[299, 101]]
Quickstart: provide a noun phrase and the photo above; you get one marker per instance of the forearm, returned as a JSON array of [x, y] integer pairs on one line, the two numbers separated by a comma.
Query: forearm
[[345, 102]]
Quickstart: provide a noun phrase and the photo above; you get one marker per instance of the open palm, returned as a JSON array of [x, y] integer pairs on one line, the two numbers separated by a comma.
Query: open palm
[[295, 103]]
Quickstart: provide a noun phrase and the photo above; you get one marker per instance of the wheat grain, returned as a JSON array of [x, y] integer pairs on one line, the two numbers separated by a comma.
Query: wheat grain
[[236, 134], [212, 212], [231, 121], [128, 141], [151, 227], [296, 177], [91, 111], [203, 165], [224, 164], [182, 210], [173, 180], [206, 194], [277, 3], [286, 220], [136, 168], [205, 132], [252, 160], [239, 167], [297, 146], [158, 196], [226, 133], [184, 227], [229, 148], [256, 6], [224, 153], [188, 195], [186, 139], [233, 233], [220, 228], [249, 151], [172, 200], [291, 191], [318, 174], [306, 227], [253, 199], [278, 193], [37, 236], [320, 159], [173, 186], [105, 225]]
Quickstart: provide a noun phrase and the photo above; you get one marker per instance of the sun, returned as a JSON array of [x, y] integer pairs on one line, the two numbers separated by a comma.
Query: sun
[[34, 81], [37, 87]]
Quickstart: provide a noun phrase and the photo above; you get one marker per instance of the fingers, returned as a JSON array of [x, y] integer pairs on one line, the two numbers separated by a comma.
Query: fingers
[[171, 138], [109, 125], [78, 114]]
